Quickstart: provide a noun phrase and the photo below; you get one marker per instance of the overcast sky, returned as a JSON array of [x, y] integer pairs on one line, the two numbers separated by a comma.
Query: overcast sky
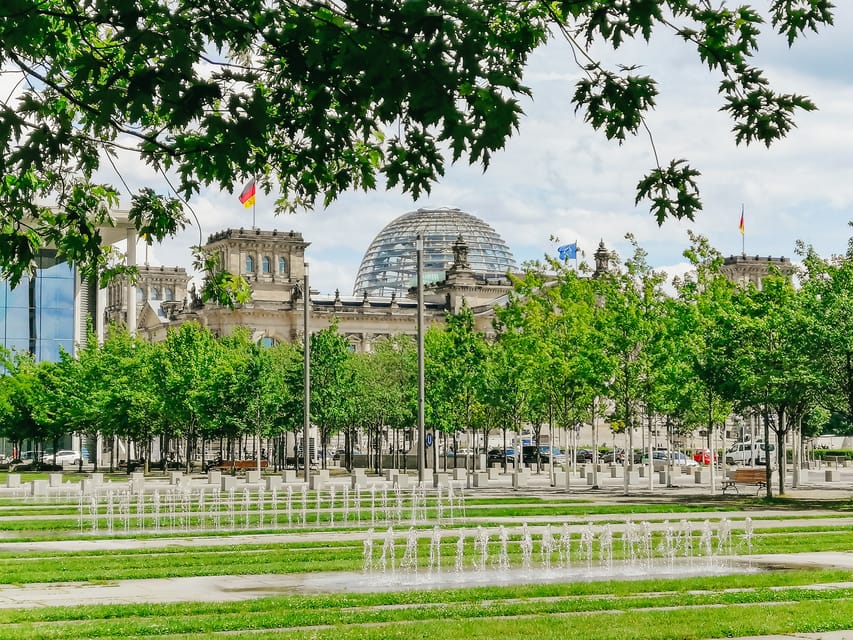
[[557, 177]]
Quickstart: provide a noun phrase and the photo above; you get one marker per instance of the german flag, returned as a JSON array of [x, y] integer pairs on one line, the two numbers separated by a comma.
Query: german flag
[[247, 198]]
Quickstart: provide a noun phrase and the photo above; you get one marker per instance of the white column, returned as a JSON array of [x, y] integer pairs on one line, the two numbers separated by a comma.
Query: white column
[[131, 287]]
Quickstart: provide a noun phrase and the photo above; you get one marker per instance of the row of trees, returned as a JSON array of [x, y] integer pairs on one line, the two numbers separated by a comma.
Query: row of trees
[[563, 347]]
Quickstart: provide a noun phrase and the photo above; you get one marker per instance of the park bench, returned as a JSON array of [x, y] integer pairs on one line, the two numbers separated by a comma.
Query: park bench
[[238, 465], [756, 476]]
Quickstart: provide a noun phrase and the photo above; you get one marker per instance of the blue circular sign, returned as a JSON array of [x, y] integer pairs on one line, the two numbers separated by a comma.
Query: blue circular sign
[[428, 440]]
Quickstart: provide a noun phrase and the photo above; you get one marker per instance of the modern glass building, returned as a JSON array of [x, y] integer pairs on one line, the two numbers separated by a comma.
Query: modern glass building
[[389, 264], [38, 315]]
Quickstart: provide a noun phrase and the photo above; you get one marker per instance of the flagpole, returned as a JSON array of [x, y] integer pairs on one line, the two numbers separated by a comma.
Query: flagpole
[[742, 232], [254, 203], [576, 254]]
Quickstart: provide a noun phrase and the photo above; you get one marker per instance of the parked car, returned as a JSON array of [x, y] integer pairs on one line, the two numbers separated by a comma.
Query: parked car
[[703, 456], [496, 456], [584, 455], [748, 453], [546, 453], [613, 456], [62, 457]]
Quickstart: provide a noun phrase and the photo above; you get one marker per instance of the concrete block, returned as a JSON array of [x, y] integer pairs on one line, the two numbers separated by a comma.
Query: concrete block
[[55, 479], [702, 476], [440, 479], [481, 479], [89, 486], [137, 484], [590, 478], [214, 477], [175, 477], [403, 480], [229, 482], [832, 475], [460, 473], [662, 477], [289, 476], [39, 487], [274, 482], [97, 478], [253, 476], [559, 479], [520, 479], [616, 471], [495, 472], [13, 481], [318, 479]]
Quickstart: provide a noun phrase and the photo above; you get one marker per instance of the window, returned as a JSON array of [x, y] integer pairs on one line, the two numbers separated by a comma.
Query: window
[[266, 266], [250, 264], [168, 294], [282, 265], [267, 341], [155, 293], [140, 295]]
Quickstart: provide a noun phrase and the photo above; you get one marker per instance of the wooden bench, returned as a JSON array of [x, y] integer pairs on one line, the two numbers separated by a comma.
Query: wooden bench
[[756, 476], [238, 465]]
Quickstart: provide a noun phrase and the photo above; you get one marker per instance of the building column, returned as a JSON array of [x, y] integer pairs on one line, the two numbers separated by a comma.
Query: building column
[[131, 287]]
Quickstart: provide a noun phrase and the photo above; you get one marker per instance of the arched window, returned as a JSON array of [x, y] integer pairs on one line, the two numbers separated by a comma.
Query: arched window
[[140, 295], [266, 265], [250, 264], [168, 294], [155, 293], [267, 341], [282, 265]]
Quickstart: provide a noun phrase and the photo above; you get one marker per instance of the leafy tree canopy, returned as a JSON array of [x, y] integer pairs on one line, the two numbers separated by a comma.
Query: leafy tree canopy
[[313, 98]]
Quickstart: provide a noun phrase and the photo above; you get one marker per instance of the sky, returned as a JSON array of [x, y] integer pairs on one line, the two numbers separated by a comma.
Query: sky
[[559, 178]]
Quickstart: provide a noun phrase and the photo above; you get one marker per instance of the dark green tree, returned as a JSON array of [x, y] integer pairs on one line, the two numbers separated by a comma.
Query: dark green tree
[[314, 98]]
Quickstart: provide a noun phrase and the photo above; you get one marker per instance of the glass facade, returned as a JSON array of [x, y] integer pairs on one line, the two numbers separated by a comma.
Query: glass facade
[[389, 265], [37, 316]]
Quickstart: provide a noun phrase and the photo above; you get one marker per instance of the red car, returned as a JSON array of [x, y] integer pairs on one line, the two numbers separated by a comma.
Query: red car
[[703, 456]]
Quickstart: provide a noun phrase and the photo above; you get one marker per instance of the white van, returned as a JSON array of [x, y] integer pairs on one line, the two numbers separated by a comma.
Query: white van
[[748, 453]]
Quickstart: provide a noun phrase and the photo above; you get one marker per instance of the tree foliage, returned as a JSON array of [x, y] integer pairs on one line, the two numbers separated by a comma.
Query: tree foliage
[[315, 98]]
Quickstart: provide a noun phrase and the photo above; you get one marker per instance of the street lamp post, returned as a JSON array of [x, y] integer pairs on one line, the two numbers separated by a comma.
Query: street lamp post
[[419, 245], [306, 350]]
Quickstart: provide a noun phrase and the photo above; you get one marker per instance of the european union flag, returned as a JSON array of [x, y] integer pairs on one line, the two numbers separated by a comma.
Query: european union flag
[[568, 251]]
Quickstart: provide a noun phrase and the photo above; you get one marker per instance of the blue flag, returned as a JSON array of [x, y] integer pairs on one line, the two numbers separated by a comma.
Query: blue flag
[[568, 251]]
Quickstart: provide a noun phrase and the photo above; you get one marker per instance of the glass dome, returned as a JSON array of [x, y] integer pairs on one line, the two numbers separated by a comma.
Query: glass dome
[[389, 264]]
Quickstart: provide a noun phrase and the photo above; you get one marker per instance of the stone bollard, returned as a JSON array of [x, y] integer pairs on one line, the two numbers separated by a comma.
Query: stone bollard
[[616, 471], [214, 477], [402, 480], [229, 482], [290, 476], [137, 483], [318, 479], [13, 481], [39, 487], [460, 473], [662, 477], [441, 479], [495, 472], [55, 479], [701, 476], [520, 480], [832, 475], [481, 479], [175, 477], [590, 479], [274, 482], [359, 478], [253, 476], [97, 478]]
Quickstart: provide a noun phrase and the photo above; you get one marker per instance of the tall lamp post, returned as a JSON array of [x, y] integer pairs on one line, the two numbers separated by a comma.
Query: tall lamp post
[[306, 350], [419, 246]]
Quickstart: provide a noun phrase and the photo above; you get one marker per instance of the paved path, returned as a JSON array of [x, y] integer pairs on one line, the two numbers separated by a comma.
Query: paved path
[[234, 588]]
